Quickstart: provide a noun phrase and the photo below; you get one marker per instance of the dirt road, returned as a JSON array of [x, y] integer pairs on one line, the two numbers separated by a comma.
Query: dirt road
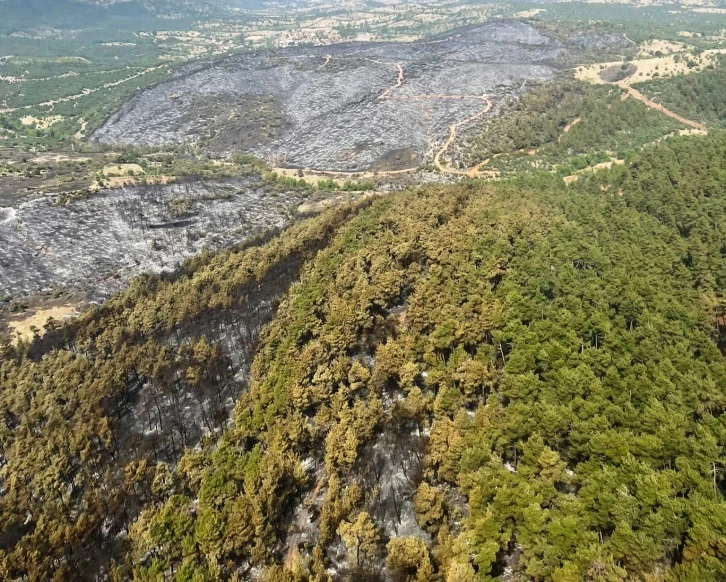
[[635, 94], [325, 64], [567, 128], [474, 171], [399, 82], [388, 96]]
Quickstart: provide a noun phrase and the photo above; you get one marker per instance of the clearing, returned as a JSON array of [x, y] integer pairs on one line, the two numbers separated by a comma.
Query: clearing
[[40, 122], [27, 326], [624, 74]]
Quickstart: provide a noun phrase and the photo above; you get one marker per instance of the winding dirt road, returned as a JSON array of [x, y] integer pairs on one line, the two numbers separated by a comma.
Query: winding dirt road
[[388, 95], [325, 64], [635, 94], [472, 172], [399, 81], [567, 128], [476, 170]]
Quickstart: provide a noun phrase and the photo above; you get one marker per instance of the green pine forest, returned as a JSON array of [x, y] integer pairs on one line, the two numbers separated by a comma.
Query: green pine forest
[[567, 125], [518, 380], [700, 96]]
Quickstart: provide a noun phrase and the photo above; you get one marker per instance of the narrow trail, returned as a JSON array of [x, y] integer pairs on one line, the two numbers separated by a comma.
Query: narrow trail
[[476, 170], [635, 94], [567, 128], [388, 95], [325, 64], [472, 172], [399, 81]]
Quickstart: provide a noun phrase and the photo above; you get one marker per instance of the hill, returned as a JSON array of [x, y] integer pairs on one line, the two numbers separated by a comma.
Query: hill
[[521, 379], [349, 107]]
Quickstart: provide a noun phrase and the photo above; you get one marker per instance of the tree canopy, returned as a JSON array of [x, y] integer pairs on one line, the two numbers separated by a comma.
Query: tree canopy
[[450, 383]]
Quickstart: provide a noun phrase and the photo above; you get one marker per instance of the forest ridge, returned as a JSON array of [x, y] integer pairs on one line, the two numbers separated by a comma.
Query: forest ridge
[[548, 356], [310, 291]]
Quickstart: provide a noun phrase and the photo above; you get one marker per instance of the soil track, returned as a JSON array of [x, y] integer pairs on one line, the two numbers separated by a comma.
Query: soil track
[[474, 170], [399, 81], [635, 94], [567, 128], [325, 64]]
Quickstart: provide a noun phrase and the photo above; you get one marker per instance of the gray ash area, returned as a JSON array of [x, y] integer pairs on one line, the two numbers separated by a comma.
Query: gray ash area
[[95, 245], [338, 107]]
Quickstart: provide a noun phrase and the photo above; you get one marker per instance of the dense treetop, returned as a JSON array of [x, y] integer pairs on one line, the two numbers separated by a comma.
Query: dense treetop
[[461, 383]]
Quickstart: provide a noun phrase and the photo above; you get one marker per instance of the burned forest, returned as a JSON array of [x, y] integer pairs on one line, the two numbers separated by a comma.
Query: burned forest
[[366, 291]]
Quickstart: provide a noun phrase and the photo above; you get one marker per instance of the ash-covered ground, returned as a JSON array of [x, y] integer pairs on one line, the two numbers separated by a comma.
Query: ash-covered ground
[[349, 107], [95, 245]]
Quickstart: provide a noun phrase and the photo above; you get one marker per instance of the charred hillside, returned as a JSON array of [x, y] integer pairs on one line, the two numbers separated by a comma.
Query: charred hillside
[[348, 107]]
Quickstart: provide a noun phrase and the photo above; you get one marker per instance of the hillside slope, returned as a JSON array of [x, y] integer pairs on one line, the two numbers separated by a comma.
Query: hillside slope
[[520, 380]]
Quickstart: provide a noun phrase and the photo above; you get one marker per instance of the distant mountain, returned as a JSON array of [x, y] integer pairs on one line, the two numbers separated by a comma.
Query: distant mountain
[[170, 8], [23, 16], [20, 16], [165, 8], [184, 8]]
